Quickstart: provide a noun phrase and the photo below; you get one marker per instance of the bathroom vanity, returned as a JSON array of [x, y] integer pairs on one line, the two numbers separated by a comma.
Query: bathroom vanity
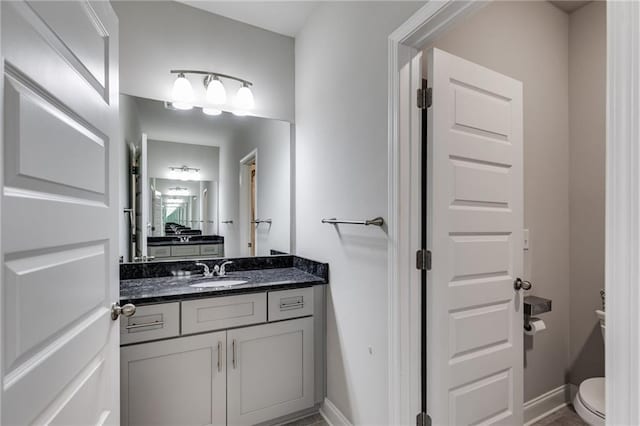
[[185, 246], [240, 349]]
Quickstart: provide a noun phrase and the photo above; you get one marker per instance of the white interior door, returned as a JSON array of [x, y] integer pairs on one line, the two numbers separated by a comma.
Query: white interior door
[[475, 220], [59, 249]]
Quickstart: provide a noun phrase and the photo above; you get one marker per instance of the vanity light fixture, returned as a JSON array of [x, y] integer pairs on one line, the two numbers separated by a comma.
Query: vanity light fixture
[[244, 100], [184, 173], [216, 94], [182, 93], [179, 192], [211, 111]]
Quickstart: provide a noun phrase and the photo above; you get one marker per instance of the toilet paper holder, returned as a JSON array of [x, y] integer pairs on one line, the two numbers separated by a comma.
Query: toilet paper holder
[[534, 305]]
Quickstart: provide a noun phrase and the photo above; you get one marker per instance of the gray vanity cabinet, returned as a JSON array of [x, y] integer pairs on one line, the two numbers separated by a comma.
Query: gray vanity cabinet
[[270, 371], [259, 357], [180, 381]]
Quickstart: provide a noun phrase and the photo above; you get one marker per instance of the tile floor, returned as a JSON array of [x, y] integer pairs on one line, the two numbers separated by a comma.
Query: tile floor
[[314, 420], [563, 417]]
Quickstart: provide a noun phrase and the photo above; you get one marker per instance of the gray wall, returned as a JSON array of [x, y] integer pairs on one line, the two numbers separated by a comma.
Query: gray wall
[[587, 97], [157, 36], [529, 42], [130, 134], [341, 170]]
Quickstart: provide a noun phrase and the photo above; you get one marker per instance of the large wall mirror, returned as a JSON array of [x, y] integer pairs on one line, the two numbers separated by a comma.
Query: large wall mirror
[[204, 186]]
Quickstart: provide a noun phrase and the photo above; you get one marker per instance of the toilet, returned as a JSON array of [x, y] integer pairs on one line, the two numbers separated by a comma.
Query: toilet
[[589, 402]]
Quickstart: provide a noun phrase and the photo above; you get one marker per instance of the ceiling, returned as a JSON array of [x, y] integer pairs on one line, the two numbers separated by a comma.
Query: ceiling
[[569, 5], [283, 17]]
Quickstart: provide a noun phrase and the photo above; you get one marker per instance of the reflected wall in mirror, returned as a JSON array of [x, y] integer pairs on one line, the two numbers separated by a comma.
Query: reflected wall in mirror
[[205, 186]]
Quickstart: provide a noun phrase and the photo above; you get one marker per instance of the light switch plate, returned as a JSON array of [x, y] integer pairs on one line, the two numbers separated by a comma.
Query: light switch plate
[[525, 243]]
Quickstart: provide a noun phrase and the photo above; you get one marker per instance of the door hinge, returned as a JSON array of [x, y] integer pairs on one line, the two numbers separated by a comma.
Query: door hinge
[[423, 419], [425, 98], [134, 170], [423, 260]]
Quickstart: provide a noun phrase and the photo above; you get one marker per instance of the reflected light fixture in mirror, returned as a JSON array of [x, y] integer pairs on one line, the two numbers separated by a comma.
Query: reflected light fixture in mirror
[[178, 191], [212, 111], [184, 173], [182, 93]]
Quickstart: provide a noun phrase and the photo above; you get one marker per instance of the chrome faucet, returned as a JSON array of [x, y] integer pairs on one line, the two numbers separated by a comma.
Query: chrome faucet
[[220, 269], [207, 272]]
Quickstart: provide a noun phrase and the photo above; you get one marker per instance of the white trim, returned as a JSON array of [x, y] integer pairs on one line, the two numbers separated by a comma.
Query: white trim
[[623, 205], [246, 227], [547, 403], [421, 28], [332, 415], [623, 214]]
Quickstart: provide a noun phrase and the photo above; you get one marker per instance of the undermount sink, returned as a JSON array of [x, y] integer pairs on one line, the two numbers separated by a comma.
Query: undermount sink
[[218, 283]]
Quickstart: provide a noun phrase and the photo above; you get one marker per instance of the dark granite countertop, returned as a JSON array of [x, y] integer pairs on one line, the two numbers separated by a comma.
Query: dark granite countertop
[[296, 273], [183, 243]]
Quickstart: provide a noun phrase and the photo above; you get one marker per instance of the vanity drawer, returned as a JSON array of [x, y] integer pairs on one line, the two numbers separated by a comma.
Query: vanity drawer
[[193, 250], [285, 304], [211, 249], [223, 312], [159, 251], [150, 322]]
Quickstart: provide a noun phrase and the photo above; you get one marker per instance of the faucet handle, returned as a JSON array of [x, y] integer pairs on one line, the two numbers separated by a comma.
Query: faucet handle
[[222, 271], [207, 273]]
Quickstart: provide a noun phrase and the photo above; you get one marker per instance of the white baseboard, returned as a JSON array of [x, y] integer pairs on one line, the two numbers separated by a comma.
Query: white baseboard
[[547, 403], [332, 415]]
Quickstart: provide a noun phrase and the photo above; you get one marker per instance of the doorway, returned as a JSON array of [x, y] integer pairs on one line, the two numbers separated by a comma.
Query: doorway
[[249, 203], [422, 30]]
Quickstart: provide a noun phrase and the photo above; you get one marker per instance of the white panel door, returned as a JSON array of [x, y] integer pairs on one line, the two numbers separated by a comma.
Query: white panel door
[[475, 220], [175, 382], [59, 345], [270, 371]]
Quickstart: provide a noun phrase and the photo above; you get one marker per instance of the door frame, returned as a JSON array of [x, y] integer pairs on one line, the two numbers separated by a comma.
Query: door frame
[[244, 201], [622, 206]]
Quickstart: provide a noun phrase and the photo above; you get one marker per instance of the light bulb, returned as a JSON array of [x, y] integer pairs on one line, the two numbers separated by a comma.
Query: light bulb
[[212, 111], [182, 93], [244, 100], [216, 94]]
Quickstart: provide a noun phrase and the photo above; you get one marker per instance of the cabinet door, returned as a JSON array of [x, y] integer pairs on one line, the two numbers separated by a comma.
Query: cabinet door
[[174, 382], [159, 251], [270, 371]]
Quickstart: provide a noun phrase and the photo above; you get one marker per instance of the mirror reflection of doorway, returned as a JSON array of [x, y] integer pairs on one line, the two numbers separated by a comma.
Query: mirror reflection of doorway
[[252, 173], [248, 203]]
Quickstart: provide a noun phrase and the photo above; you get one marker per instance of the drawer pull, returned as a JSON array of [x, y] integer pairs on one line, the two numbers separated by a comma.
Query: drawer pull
[[147, 324], [291, 303], [289, 306]]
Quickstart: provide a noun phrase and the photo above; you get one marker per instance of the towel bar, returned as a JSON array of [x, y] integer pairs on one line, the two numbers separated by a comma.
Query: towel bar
[[377, 221]]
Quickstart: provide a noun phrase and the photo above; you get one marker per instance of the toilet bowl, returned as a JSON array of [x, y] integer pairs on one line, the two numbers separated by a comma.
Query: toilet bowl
[[589, 402]]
